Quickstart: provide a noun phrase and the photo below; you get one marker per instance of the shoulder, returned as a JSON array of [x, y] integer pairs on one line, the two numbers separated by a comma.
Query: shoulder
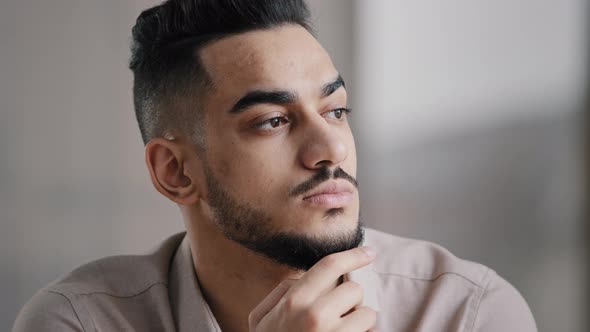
[[503, 308], [62, 305], [445, 281], [421, 260], [112, 275], [47, 311]]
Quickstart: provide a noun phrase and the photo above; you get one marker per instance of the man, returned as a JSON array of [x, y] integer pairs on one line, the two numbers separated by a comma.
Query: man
[[245, 126]]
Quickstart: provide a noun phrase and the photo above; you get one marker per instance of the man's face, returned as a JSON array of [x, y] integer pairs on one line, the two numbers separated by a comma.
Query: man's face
[[277, 133]]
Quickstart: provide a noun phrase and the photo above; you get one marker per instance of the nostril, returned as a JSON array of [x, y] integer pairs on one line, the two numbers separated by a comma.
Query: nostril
[[324, 163]]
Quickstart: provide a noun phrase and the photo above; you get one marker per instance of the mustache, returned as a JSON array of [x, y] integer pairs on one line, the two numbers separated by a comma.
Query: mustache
[[324, 174]]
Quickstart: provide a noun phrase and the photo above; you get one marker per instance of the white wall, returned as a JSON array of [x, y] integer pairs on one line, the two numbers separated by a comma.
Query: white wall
[[428, 68], [73, 185]]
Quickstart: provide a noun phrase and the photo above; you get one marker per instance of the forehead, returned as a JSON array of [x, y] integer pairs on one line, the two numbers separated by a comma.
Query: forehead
[[285, 57]]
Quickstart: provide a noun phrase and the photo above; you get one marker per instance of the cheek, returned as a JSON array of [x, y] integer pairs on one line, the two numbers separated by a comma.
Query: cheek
[[250, 173], [261, 185], [350, 162], [224, 168], [223, 161]]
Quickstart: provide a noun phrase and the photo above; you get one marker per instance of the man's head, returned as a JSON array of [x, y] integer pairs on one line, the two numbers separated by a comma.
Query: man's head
[[244, 118]]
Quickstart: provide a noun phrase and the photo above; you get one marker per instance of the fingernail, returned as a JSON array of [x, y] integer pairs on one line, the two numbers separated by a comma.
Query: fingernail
[[370, 251]]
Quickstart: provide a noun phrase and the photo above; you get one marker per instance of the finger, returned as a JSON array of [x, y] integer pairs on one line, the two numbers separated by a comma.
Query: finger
[[341, 299], [362, 319], [325, 272], [269, 302]]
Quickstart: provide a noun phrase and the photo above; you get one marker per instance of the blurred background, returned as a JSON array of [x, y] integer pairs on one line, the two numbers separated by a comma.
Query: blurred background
[[467, 114]]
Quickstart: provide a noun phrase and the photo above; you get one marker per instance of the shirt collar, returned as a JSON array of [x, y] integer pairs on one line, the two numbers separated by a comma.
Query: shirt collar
[[189, 308], [367, 278], [192, 313]]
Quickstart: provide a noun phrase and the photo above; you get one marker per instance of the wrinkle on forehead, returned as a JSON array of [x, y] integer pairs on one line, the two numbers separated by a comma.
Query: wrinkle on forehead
[[266, 57]]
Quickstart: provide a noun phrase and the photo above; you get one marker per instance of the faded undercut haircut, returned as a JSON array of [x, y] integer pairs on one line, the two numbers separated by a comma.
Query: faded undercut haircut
[[168, 74]]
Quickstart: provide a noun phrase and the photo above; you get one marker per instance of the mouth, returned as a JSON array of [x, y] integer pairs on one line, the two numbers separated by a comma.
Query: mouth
[[331, 194]]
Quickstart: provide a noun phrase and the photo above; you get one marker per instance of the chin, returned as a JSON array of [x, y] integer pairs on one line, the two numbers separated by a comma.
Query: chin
[[332, 222]]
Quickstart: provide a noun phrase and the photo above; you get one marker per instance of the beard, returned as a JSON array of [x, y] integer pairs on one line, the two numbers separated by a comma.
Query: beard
[[252, 228]]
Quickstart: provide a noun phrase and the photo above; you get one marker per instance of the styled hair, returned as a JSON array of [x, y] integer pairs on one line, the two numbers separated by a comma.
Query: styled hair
[[167, 70]]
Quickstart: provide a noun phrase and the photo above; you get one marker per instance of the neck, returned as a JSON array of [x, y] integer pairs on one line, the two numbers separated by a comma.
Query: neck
[[233, 279]]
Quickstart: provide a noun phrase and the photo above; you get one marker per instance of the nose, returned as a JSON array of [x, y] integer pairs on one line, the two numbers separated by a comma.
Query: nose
[[323, 145]]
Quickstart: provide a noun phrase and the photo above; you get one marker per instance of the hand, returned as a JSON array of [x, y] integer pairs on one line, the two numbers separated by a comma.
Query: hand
[[307, 305]]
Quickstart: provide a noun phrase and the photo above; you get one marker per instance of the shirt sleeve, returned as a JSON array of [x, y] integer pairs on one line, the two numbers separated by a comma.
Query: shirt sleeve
[[47, 311], [502, 308]]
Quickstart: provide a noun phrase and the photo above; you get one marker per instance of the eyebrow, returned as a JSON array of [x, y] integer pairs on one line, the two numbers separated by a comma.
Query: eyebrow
[[279, 97], [329, 88]]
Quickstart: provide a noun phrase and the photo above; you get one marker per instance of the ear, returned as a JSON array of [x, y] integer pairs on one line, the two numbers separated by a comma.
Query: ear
[[168, 163]]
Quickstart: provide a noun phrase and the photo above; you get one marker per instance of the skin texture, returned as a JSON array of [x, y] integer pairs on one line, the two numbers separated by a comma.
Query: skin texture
[[258, 166]]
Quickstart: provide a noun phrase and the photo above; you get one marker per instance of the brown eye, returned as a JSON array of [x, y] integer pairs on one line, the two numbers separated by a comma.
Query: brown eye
[[338, 113], [274, 122]]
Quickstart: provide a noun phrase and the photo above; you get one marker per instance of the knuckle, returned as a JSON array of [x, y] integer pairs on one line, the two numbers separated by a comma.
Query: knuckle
[[292, 303], [371, 315], [312, 320], [330, 262], [354, 286], [356, 289]]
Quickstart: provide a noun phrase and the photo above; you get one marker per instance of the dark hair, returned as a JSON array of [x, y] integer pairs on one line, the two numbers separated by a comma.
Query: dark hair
[[164, 53]]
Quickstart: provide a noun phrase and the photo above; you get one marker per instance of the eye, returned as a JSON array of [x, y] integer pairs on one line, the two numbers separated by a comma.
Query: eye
[[271, 123], [338, 113]]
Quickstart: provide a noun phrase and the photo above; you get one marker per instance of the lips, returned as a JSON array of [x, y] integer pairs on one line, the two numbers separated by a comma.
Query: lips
[[331, 194]]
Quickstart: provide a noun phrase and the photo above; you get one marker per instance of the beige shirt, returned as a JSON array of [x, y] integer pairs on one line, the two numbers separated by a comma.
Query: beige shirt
[[415, 286]]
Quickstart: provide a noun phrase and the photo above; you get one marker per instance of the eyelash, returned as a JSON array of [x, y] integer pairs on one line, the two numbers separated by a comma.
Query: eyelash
[[259, 125]]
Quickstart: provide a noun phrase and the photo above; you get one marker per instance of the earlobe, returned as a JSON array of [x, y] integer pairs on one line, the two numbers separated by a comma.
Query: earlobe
[[166, 164]]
